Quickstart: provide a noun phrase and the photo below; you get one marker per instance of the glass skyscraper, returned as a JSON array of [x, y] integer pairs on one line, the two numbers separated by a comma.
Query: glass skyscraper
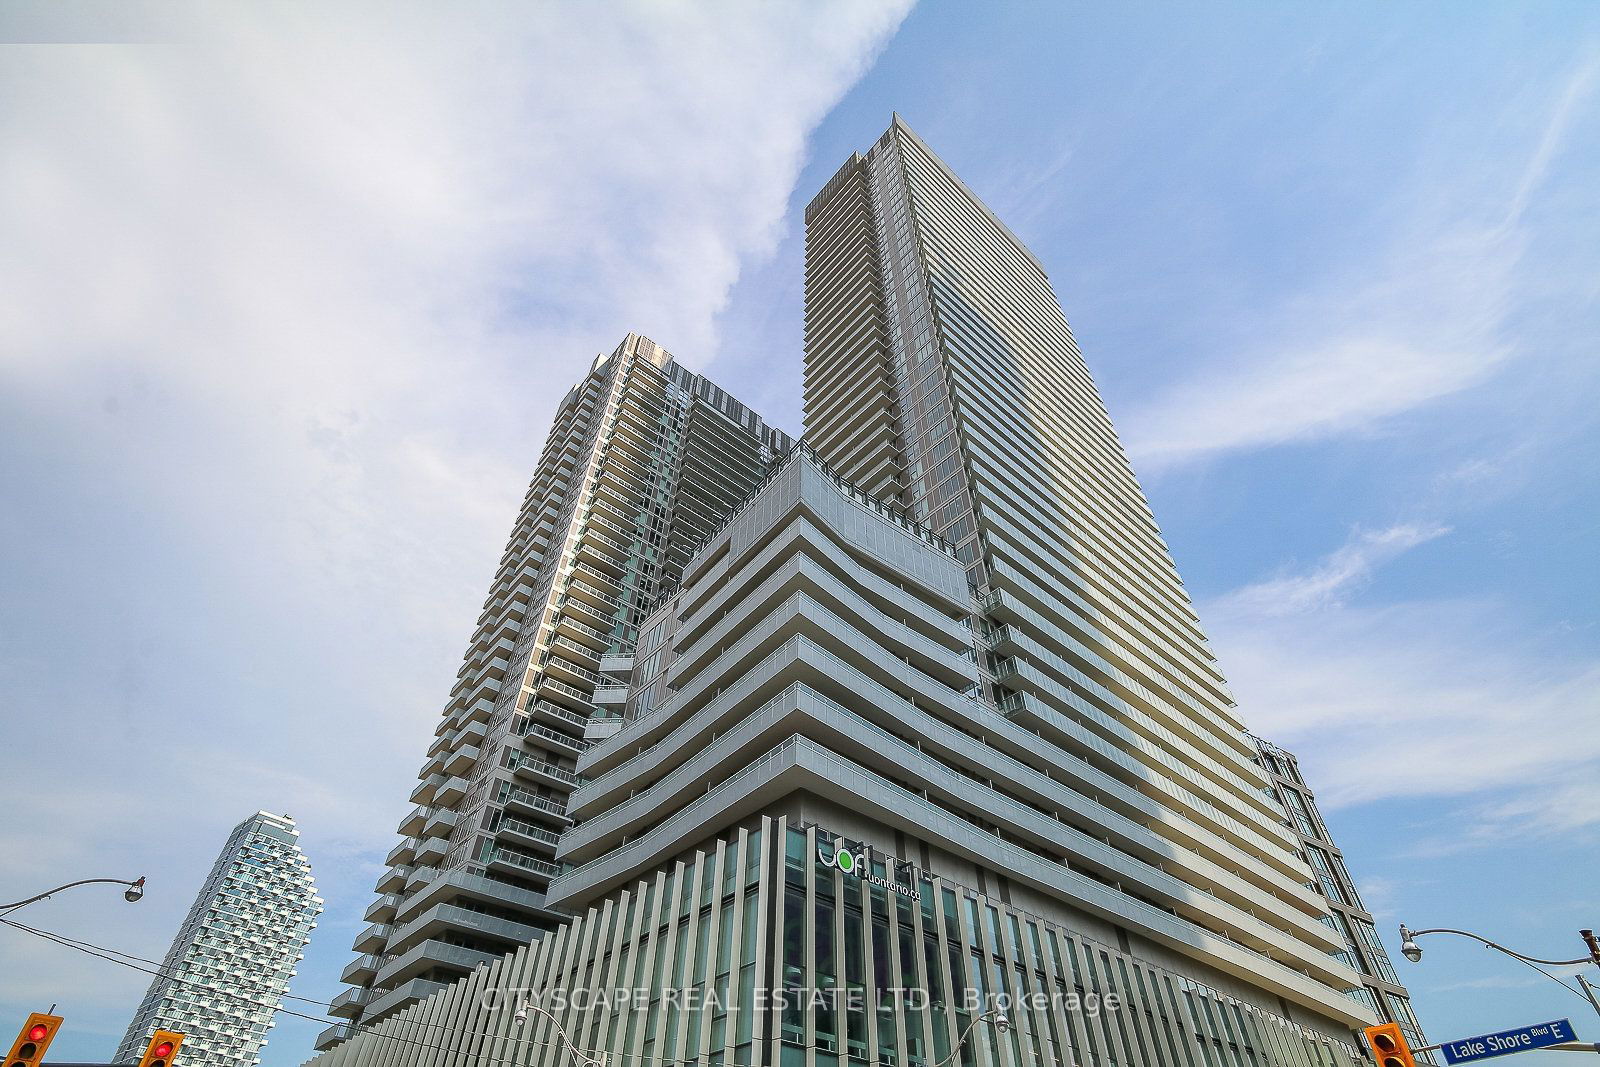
[[230, 965], [925, 732]]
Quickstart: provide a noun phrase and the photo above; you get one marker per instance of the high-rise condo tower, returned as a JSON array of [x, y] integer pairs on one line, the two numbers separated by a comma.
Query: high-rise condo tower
[[643, 460]]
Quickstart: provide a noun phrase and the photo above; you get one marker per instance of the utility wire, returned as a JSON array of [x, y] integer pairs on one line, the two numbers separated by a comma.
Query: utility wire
[[72, 942], [1548, 975], [110, 956], [103, 953]]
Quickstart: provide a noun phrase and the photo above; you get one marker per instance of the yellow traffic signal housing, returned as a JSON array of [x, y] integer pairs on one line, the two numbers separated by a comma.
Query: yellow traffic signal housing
[[37, 1033], [1388, 1045], [162, 1049]]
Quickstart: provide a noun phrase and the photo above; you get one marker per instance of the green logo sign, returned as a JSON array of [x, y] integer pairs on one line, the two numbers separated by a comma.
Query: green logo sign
[[854, 864]]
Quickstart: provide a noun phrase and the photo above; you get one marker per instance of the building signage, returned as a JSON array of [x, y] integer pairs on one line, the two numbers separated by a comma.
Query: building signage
[[854, 864], [1508, 1041]]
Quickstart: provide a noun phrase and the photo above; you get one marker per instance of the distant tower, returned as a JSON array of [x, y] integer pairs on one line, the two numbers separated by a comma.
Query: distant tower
[[1380, 989], [231, 962]]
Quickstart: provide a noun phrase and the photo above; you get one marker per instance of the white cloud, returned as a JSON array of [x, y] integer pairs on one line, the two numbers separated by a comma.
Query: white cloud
[[1419, 321], [1335, 577], [1462, 701], [291, 293]]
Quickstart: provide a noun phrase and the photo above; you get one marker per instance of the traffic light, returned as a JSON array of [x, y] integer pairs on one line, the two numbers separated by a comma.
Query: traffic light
[[37, 1033], [163, 1048], [1388, 1044]]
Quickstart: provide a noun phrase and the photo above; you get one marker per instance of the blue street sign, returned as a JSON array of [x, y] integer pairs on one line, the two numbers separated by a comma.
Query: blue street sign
[[1508, 1041]]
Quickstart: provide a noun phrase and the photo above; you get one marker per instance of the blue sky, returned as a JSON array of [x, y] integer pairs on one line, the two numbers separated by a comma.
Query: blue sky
[[291, 296]]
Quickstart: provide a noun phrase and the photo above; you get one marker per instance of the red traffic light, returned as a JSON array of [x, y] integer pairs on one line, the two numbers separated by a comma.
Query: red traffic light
[[162, 1049], [34, 1037]]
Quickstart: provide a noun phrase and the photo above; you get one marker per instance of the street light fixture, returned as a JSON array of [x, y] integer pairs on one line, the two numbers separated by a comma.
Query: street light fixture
[[1413, 952], [1001, 1024], [585, 1057], [134, 891]]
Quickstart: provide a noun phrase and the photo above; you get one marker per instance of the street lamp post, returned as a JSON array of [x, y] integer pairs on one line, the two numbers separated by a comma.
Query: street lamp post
[[1411, 951], [1001, 1025], [134, 891], [584, 1057]]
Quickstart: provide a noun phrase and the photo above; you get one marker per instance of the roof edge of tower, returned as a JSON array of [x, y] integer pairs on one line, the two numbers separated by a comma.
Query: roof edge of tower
[[898, 123], [851, 167]]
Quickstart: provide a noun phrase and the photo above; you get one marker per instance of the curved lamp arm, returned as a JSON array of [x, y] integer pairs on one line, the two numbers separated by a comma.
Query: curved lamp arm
[[587, 1057], [1408, 946], [961, 1042], [134, 891]]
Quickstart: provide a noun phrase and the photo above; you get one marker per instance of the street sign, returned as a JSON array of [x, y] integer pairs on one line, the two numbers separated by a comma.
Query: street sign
[[1506, 1042]]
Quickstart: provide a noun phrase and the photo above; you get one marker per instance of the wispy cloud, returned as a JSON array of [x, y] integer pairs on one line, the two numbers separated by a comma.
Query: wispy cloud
[[1426, 322], [1505, 721], [1333, 578]]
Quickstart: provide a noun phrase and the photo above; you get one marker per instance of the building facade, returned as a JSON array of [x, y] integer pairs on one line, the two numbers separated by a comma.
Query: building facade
[[230, 965], [644, 458], [1381, 989], [822, 848], [927, 733]]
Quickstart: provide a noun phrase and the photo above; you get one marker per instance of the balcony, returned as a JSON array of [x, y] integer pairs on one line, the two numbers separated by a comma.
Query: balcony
[[564, 670], [600, 552], [402, 853], [373, 938], [461, 760], [441, 919], [557, 714], [382, 909], [412, 823], [554, 687], [525, 803], [548, 773], [581, 654], [333, 1035], [440, 823], [470, 733], [567, 626], [546, 736], [346, 1004], [428, 955], [401, 996], [592, 588], [424, 792], [587, 613], [500, 859], [479, 710], [610, 695], [392, 880], [430, 853], [525, 834], [451, 790], [360, 970]]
